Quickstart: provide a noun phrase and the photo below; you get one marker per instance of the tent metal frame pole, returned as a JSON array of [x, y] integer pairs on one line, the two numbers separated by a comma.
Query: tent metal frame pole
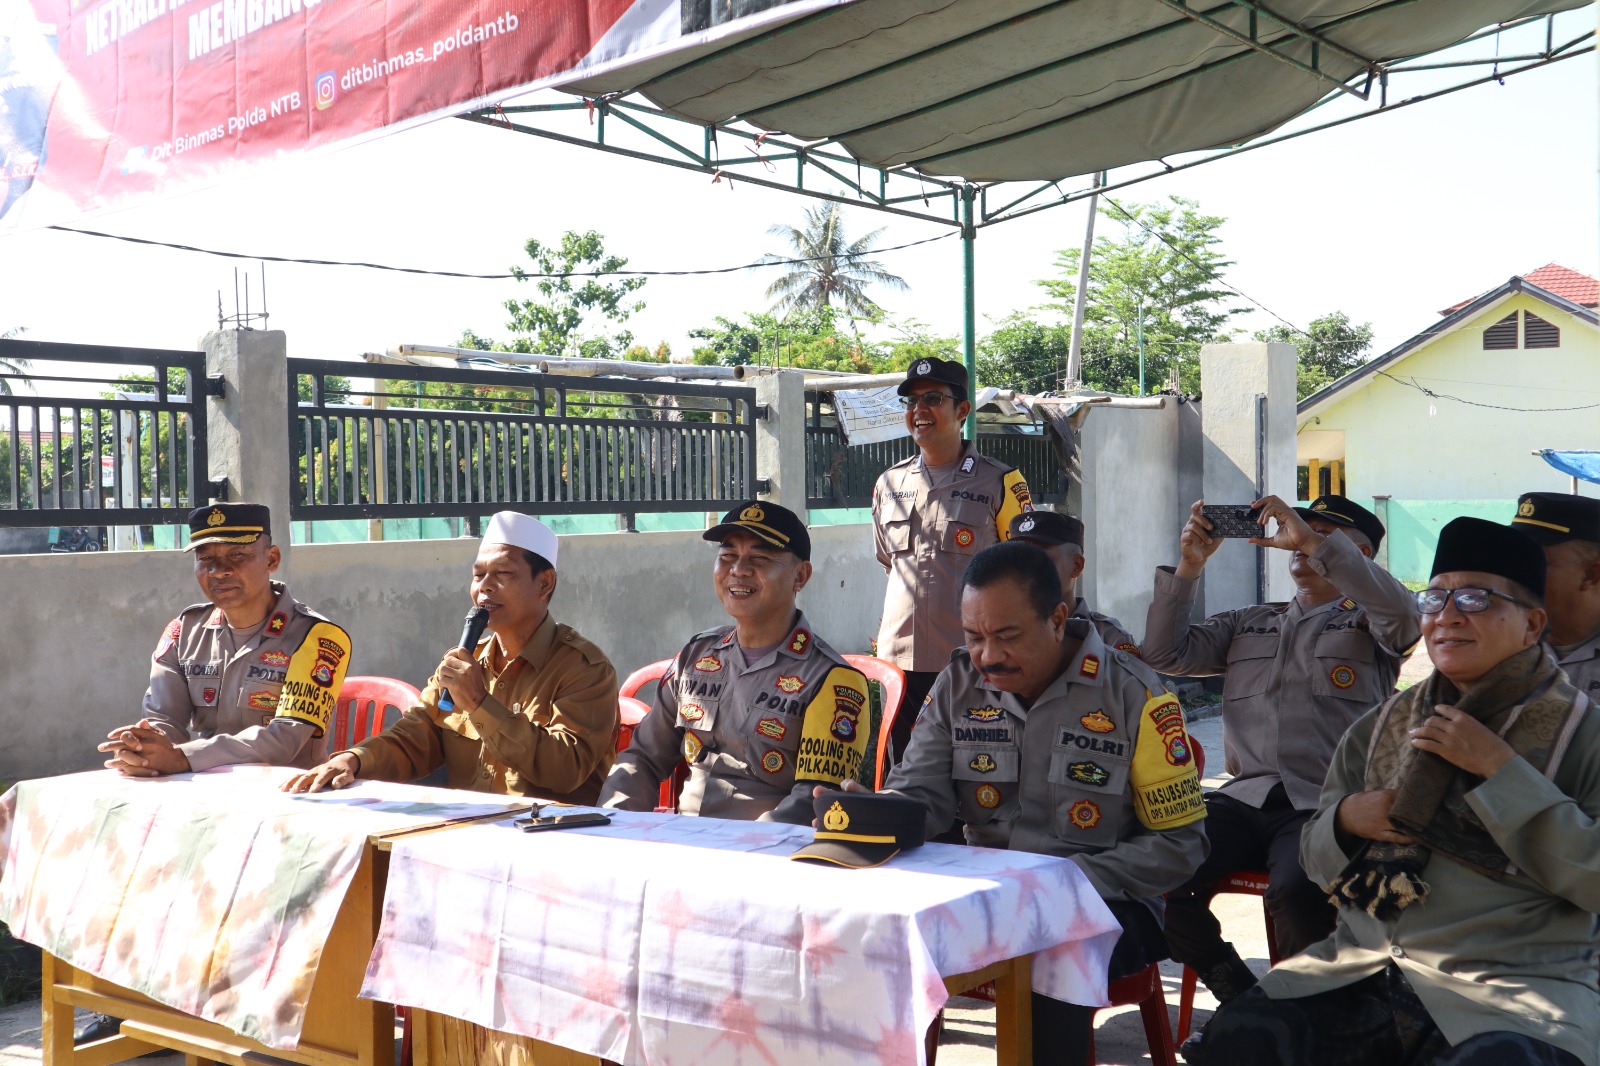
[[969, 300]]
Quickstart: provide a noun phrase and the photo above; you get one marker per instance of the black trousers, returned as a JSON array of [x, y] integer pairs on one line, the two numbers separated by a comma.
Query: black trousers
[[1246, 838], [1061, 1030], [1379, 1019]]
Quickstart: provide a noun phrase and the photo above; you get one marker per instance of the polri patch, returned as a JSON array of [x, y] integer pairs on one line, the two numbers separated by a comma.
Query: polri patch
[[844, 720], [274, 658], [1342, 676], [984, 763], [1088, 773], [708, 664], [1090, 667], [276, 623], [322, 675], [1085, 814], [775, 728], [855, 696], [772, 762], [1178, 753], [800, 641], [988, 797], [789, 683], [1097, 722]]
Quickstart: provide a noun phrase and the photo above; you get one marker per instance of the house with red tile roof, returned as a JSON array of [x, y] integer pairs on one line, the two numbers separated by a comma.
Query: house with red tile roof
[[1446, 423]]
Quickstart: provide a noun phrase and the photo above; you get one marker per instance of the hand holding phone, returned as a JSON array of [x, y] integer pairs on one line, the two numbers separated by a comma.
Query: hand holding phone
[[562, 821], [1233, 520]]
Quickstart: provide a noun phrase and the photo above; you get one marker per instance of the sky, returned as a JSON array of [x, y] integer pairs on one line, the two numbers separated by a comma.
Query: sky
[[1389, 219]]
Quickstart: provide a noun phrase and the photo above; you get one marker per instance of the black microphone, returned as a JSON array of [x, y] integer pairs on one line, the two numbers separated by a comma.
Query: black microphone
[[471, 631]]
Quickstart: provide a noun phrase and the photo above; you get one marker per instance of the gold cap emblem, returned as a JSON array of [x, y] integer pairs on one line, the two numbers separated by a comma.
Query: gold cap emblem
[[753, 513], [1525, 509], [836, 820], [216, 517], [1320, 505]]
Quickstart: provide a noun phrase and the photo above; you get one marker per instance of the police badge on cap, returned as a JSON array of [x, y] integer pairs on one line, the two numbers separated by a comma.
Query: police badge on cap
[[943, 371], [228, 523]]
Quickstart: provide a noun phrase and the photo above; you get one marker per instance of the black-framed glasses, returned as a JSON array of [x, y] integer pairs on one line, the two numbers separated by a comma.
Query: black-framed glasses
[[931, 400], [1468, 600]]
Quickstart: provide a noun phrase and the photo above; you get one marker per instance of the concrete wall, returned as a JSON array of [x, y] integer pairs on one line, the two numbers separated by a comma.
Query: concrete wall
[[1399, 442], [81, 628]]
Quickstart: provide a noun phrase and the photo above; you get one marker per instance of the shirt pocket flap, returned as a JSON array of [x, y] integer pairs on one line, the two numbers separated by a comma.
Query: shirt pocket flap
[[1253, 646], [697, 714], [985, 764], [1088, 772], [1345, 644], [897, 534]]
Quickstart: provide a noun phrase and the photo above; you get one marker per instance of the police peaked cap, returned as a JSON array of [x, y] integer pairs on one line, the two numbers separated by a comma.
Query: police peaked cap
[[1343, 511], [770, 522], [228, 523], [862, 829], [1047, 528], [1554, 517], [944, 371], [1476, 544]]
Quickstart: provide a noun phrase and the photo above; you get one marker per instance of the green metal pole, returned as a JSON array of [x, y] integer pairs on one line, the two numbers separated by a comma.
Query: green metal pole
[[969, 301], [1141, 348]]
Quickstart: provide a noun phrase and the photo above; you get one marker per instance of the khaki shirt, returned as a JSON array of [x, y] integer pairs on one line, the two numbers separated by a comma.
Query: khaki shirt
[[547, 728], [1483, 953], [925, 537], [1295, 678], [1582, 665], [269, 700], [757, 738], [1109, 628], [1099, 769]]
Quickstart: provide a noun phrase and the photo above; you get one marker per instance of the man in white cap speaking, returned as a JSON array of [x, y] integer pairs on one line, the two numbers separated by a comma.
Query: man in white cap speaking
[[532, 710]]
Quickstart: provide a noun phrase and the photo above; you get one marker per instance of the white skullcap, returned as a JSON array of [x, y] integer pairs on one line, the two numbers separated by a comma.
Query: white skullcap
[[522, 531]]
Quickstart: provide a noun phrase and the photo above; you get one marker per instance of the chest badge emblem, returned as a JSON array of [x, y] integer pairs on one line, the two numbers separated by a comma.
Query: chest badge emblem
[[964, 538], [772, 762], [1342, 676], [1097, 722], [1085, 814], [984, 763], [789, 683], [988, 797], [1088, 773]]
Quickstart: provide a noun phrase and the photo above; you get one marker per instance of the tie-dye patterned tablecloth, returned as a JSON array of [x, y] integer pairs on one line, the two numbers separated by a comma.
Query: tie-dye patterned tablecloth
[[667, 940], [211, 893]]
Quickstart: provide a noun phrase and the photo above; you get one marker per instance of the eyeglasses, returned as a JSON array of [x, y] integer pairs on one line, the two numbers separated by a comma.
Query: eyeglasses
[[1468, 600], [931, 400]]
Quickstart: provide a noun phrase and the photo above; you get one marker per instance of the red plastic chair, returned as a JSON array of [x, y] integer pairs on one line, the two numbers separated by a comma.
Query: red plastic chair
[[892, 683], [649, 675], [1241, 882], [362, 707], [1144, 988]]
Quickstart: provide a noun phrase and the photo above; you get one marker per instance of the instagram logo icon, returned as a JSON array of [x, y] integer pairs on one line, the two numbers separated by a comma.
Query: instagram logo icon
[[327, 87]]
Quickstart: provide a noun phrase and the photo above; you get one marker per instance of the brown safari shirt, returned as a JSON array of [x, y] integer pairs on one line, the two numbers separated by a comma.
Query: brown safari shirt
[[925, 537], [1294, 678], [1582, 664], [269, 701], [757, 738], [547, 728]]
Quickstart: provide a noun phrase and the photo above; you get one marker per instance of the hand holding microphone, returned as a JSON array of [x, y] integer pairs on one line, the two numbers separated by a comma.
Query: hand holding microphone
[[456, 664]]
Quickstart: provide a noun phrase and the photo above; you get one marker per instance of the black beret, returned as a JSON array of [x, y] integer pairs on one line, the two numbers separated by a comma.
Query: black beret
[[1476, 544]]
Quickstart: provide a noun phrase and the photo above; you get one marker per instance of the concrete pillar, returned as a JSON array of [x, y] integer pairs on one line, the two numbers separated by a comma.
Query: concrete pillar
[[247, 427], [1248, 451], [781, 437]]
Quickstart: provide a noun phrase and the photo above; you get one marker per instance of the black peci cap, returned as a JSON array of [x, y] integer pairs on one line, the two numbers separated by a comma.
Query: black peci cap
[[1476, 544], [944, 371], [1554, 517], [1343, 511], [862, 829], [771, 522], [1047, 528], [228, 523]]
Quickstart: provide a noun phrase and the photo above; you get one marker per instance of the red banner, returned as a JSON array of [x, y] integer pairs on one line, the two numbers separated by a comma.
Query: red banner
[[105, 100]]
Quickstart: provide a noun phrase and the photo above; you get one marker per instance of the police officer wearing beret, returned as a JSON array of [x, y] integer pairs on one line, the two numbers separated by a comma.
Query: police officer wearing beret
[[1041, 738], [931, 514], [763, 710], [1568, 529], [1296, 675], [1060, 536], [250, 676]]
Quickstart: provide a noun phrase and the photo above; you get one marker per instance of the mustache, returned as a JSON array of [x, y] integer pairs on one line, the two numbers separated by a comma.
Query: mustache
[[995, 671]]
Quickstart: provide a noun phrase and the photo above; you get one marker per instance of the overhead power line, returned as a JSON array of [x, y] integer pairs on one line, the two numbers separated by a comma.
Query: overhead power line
[[1433, 395]]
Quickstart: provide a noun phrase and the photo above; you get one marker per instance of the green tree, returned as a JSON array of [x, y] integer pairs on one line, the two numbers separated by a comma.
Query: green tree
[[1166, 271], [551, 324], [835, 270], [818, 338], [1329, 349], [12, 364], [1023, 354]]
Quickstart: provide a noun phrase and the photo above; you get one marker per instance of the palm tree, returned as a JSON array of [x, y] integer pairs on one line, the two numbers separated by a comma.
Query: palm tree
[[12, 365], [833, 270]]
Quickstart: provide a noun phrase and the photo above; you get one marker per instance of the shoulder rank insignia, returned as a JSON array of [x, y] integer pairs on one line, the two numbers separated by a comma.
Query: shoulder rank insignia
[[1090, 667], [968, 463], [1347, 604], [800, 641], [276, 623]]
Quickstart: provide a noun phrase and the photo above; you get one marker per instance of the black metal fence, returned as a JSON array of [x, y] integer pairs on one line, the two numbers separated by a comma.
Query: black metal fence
[[135, 454], [841, 476], [440, 442]]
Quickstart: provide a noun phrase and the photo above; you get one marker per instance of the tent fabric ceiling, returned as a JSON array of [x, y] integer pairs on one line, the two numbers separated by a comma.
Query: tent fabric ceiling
[[999, 90]]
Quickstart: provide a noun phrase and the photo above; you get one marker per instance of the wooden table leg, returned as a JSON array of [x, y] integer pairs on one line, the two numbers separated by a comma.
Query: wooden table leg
[[1013, 1013], [56, 1034]]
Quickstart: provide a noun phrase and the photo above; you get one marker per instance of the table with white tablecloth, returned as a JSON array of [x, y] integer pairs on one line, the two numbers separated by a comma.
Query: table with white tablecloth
[[670, 940]]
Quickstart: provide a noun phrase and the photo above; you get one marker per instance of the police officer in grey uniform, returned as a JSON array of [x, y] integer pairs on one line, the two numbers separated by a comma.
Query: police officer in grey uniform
[[763, 710], [1297, 675], [1060, 536], [931, 514], [1041, 738], [251, 676], [1568, 529]]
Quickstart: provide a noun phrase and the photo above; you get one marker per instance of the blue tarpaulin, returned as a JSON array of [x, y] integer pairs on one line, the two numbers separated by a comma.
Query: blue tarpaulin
[[1585, 465]]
